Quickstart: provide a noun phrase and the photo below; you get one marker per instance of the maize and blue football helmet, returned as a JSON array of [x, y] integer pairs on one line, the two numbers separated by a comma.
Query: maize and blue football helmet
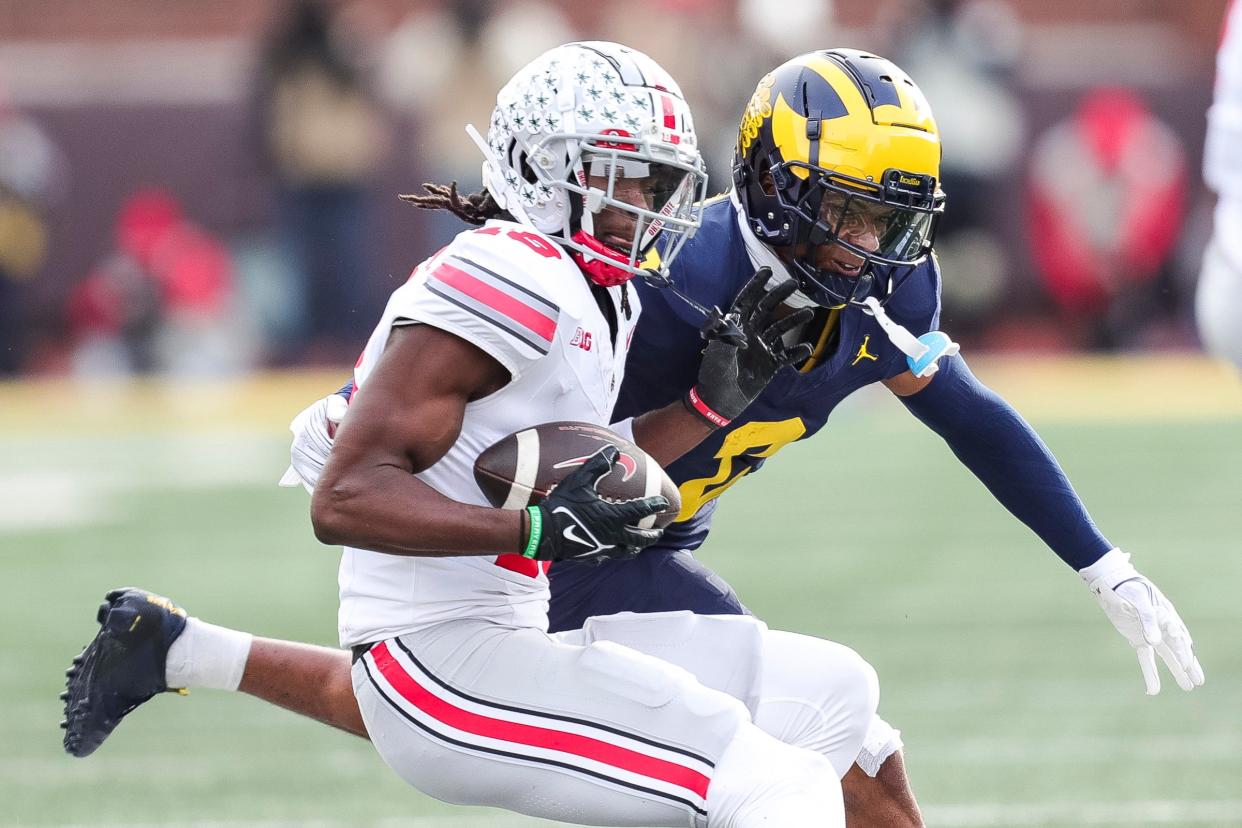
[[839, 147]]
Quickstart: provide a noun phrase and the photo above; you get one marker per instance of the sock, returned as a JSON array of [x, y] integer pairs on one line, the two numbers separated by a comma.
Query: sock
[[205, 655]]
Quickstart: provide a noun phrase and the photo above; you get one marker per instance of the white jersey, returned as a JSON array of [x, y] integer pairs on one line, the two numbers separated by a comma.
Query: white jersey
[[519, 297]]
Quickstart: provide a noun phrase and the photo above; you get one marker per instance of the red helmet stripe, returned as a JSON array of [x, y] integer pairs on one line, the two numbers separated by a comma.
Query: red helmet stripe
[[670, 120]]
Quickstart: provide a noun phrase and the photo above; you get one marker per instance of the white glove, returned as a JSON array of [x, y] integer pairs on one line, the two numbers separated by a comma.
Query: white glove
[[313, 431], [1147, 619]]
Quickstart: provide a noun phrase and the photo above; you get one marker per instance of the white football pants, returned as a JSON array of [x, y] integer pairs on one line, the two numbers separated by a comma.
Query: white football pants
[[805, 691], [580, 728]]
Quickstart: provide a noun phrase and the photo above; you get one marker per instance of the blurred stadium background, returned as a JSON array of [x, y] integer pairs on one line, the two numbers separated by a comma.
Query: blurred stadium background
[[198, 226]]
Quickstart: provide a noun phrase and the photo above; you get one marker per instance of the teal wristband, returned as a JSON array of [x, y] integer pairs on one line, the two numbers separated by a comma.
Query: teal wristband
[[536, 531]]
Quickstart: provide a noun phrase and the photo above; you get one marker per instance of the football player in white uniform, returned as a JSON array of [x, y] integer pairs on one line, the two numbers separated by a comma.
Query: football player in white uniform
[[465, 695], [1218, 300]]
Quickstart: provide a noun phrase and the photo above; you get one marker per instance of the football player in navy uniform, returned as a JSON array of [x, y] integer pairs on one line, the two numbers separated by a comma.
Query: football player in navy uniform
[[835, 188]]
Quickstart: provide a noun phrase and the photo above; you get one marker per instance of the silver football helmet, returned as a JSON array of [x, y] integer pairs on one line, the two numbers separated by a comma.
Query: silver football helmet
[[572, 124]]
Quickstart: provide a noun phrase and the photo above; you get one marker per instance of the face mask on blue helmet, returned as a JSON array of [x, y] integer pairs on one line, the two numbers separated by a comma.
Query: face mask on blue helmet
[[836, 169]]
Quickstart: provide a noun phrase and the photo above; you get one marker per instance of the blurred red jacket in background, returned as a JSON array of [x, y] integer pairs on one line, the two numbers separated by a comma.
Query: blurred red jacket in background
[[1105, 200]]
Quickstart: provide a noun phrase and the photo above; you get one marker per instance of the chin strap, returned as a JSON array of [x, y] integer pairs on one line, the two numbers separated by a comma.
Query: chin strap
[[598, 265], [923, 352]]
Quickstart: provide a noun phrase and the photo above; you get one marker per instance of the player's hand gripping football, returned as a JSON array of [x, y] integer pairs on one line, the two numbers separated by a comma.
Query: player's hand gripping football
[[1147, 619], [736, 369], [574, 523]]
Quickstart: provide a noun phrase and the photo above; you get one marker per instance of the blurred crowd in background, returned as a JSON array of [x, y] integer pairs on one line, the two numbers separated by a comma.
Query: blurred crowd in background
[[207, 188]]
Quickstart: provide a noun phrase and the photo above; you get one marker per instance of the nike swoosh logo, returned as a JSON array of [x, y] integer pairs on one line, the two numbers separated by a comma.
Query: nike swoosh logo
[[571, 533]]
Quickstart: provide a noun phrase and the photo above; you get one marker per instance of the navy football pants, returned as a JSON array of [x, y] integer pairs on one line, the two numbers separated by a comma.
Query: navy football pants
[[659, 579]]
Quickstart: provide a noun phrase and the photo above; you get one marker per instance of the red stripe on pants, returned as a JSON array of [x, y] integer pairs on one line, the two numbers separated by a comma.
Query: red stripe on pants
[[524, 734]]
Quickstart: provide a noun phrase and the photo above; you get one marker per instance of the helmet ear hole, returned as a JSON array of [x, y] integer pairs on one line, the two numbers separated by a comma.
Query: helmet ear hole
[[521, 162], [767, 183]]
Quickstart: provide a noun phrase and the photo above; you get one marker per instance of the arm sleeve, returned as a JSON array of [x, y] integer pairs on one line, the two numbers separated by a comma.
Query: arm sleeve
[[1004, 452]]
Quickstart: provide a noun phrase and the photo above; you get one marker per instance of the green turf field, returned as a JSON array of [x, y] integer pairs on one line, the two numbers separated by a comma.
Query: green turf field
[[1019, 703]]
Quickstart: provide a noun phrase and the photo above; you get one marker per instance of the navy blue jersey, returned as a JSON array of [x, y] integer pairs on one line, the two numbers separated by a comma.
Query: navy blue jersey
[[665, 354], [663, 364]]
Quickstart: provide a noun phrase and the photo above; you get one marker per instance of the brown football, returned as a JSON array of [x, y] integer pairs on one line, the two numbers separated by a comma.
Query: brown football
[[523, 467]]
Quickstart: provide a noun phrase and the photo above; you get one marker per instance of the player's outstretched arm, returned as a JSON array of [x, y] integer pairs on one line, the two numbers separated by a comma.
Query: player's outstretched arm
[[992, 440], [1004, 452]]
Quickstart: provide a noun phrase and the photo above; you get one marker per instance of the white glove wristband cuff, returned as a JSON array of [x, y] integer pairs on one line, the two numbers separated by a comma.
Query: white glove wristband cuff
[[1111, 569]]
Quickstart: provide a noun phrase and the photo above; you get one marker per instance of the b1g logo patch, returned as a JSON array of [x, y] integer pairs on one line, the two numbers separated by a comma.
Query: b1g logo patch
[[582, 339]]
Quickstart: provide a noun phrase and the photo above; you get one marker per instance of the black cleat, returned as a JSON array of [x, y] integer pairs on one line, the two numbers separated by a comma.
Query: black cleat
[[121, 668]]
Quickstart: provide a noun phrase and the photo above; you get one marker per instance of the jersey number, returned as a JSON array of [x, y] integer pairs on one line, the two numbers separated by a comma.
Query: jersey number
[[536, 243], [759, 439]]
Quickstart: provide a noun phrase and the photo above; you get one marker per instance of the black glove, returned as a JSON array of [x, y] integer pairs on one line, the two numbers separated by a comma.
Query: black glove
[[734, 372], [574, 523]]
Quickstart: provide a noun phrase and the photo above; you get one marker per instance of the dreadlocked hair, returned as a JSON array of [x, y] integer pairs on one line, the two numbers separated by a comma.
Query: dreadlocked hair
[[475, 208]]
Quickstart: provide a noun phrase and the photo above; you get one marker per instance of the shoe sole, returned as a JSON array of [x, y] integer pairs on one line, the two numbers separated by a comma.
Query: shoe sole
[[78, 679], [87, 724]]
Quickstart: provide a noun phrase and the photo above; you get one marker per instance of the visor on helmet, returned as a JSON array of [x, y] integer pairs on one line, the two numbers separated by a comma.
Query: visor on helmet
[[888, 226], [889, 223], [670, 188], [661, 183]]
